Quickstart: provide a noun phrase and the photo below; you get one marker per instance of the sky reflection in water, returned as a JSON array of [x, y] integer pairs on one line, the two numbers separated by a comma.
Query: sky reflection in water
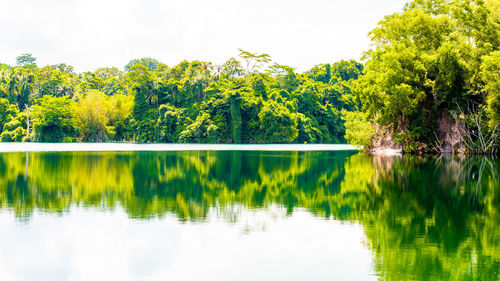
[[247, 215]]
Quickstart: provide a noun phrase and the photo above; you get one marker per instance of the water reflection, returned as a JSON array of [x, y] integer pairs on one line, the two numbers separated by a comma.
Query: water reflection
[[435, 219], [423, 217], [151, 184]]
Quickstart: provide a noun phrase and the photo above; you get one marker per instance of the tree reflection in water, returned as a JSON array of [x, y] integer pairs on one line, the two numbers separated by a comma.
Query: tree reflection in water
[[424, 217]]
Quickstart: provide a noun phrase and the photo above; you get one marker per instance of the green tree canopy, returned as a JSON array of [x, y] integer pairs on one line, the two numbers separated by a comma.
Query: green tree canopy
[[53, 119], [26, 60]]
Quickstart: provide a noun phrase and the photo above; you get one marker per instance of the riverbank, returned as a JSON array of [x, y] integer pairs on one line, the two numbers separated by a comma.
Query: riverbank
[[34, 147], [386, 151]]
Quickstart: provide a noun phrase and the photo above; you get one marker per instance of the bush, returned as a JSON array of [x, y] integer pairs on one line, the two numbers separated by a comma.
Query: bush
[[358, 129], [19, 134], [12, 125], [6, 137], [13, 132], [53, 119]]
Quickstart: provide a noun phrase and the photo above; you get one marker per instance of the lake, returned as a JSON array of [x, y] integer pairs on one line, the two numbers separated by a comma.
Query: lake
[[247, 215]]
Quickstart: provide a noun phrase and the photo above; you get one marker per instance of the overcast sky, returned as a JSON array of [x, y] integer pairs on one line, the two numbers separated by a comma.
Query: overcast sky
[[89, 34]]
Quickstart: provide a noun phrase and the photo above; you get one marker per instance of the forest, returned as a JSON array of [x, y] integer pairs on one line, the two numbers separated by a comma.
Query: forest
[[192, 102], [430, 80]]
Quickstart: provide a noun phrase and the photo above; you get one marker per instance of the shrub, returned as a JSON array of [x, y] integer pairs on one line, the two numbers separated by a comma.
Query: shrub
[[358, 129]]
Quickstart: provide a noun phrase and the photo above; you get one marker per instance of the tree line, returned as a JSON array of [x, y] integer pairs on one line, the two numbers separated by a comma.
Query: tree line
[[431, 82], [244, 100]]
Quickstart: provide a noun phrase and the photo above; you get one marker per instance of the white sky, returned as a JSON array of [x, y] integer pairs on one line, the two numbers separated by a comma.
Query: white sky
[[94, 33]]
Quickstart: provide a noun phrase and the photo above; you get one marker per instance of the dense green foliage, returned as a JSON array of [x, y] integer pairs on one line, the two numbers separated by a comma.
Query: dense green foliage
[[432, 78], [434, 59], [252, 101], [360, 129]]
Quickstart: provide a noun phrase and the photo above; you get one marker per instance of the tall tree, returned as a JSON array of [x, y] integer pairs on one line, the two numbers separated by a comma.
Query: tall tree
[[53, 119], [150, 63], [254, 61], [235, 116], [26, 60], [93, 112], [426, 64]]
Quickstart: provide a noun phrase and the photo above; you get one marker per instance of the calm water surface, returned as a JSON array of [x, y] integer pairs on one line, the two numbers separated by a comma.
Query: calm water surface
[[247, 215]]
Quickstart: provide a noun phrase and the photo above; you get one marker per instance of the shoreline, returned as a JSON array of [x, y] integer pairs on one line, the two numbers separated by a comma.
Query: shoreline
[[55, 147], [386, 152]]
